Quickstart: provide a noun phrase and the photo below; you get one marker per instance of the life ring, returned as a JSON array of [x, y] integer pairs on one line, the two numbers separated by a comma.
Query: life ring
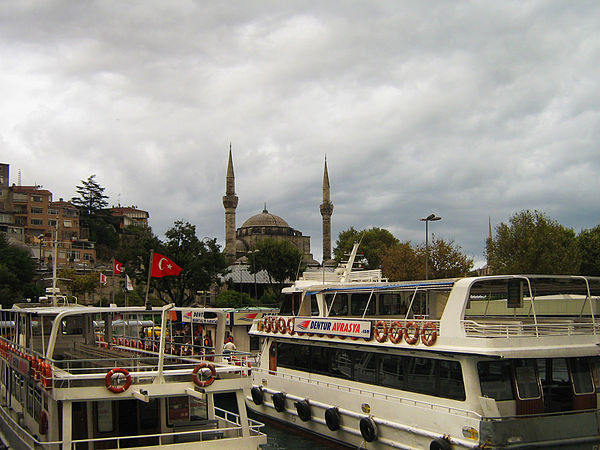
[[303, 410], [281, 325], [198, 374], [396, 332], [368, 429], [267, 324], [117, 389], [290, 326], [439, 444], [429, 333], [332, 418], [411, 338], [383, 336], [43, 426], [257, 395], [46, 376], [279, 401]]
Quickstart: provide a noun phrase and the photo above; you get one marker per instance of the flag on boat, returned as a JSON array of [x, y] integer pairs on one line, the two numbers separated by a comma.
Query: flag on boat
[[128, 284], [163, 266], [118, 268], [102, 279]]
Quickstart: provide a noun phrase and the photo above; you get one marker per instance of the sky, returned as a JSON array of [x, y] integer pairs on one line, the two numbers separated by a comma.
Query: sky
[[473, 111]]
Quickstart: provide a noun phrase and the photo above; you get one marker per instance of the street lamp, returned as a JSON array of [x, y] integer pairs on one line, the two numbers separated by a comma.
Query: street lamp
[[252, 254], [429, 218]]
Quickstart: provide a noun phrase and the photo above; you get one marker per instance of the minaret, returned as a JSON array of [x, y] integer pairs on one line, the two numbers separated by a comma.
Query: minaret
[[230, 202], [326, 211]]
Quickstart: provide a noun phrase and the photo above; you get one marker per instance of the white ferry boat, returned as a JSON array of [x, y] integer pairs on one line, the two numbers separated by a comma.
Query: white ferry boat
[[494, 362], [76, 376]]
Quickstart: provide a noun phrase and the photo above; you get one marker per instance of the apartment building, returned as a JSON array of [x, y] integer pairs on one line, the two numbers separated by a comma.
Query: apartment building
[[129, 215]]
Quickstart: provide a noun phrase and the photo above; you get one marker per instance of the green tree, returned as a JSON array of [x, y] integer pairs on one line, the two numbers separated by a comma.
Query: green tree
[[446, 259], [91, 198], [280, 259], [201, 262], [588, 242], [402, 262], [79, 285], [532, 243], [374, 242], [17, 273], [134, 251], [234, 299]]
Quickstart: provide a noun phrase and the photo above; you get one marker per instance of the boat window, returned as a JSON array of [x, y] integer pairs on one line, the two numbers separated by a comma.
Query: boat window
[[340, 304], [341, 363], [495, 379], [314, 306], [149, 414], [421, 375], [392, 371], [366, 367], [293, 356], [393, 304], [582, 378], [104, 416], [358, 304], [290, 304], [450, 379], [527, 379], [319, 358], [183, 409]]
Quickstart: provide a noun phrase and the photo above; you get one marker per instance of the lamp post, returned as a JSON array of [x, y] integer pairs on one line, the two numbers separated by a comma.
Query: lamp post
[[252, 254], [429, 218]]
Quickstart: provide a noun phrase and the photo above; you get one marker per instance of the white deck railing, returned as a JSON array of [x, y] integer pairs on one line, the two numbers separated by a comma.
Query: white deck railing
[[517, 328]]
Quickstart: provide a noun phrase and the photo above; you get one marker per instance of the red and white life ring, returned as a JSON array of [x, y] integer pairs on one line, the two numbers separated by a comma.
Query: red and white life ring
[[267, 321], [414, 337], [117, 389], [282, 325], [396, 331], [383, 336], [429, 333], [198, 375], [290, 325]]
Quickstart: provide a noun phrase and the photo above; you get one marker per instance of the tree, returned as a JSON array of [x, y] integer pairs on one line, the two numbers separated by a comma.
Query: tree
[[446, 259], [374, 242], [588, 242], [17, 273], [134, 251], [91, 198], [402, 262], [280, 259], [532, 243], [80, 285], [201, 262], [234, 299]]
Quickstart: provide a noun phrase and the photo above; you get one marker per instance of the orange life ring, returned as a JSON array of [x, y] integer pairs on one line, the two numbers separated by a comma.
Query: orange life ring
[[282, 325], [267, 324], [117, 389], [396, 332], [383, 336], [290, 325], [429, 334], [199, 379], [411, 339]]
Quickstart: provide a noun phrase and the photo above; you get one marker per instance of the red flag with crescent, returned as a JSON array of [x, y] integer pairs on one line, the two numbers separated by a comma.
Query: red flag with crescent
[[163, 266], [118, 268]]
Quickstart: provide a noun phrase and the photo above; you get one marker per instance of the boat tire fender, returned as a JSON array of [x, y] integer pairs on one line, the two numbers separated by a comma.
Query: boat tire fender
[[429, 333], [117, 389], [257, 395], [440, 444], [303, 410], [368, 429], [332, 418], [198, 375], [279, 401], [414, 337]]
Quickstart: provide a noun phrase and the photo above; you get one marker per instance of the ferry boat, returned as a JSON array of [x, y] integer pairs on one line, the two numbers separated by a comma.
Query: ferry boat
[[75, 376], [494, 362]]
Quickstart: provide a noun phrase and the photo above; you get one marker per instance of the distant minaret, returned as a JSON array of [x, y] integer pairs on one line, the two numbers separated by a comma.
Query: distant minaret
[[230, 202], [326, 211]]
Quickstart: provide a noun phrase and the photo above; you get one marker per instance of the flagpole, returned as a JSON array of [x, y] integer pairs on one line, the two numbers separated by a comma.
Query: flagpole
[[149, 276]]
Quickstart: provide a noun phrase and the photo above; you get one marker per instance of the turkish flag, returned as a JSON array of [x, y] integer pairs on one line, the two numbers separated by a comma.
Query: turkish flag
[[118, 268], [163, 266], [102, 279]]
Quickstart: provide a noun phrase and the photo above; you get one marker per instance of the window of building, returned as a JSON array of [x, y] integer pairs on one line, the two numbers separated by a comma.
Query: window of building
[[52, 222], [37, 198], [35, 210], [53, 211], [67, 223], [37, 222]]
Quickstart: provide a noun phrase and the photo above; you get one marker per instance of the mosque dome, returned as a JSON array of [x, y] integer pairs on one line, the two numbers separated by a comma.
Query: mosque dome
[[265, 219]]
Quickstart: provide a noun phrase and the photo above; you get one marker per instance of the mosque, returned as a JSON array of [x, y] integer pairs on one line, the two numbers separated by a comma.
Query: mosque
[[240, 241]]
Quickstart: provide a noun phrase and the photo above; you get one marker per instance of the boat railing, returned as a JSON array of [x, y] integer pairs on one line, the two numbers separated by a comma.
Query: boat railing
[[524, 328], [436, 407], [228, 426]]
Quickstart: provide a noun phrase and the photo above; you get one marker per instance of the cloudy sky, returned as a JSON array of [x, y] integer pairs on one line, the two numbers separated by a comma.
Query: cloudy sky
[[470, 110]]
